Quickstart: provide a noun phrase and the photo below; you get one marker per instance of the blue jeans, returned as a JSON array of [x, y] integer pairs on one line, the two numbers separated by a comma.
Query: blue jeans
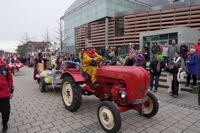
[[165, 60], [156, 81]]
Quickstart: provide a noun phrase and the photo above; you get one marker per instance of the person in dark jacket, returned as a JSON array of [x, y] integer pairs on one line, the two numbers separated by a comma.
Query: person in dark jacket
[[192, 66], [154, 52], [130, 60], [155, 71], [183, 50], [175, 84], [5, 95]]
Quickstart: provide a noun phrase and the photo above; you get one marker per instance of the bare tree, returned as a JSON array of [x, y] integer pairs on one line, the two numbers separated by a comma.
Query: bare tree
[[47, 37], [23, 49], [60, 35], [24, 39]]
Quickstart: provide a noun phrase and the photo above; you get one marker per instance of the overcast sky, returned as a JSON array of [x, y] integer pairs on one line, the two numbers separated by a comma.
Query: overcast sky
[[31, 16]]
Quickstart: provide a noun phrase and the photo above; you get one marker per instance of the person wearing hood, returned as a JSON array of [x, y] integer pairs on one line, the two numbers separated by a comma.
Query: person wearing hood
[[6, 93]]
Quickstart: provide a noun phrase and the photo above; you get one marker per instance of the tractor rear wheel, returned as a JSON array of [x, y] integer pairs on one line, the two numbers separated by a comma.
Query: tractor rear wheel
[[151, 106], [109, 117], [71, 94], [42, 85]]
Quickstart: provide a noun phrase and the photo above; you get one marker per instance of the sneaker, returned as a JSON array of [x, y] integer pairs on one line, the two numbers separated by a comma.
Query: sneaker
[[154, 90], [151, 88], [5, 128], [175, 96]]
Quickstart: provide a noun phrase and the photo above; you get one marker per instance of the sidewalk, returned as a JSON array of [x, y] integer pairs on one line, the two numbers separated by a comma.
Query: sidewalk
[[36, 112]]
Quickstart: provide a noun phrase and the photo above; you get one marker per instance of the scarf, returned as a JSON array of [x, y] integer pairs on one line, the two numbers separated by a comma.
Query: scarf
[[158, 67]]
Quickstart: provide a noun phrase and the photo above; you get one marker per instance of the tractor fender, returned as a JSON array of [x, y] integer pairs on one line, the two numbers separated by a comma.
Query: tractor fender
[[76, 76]]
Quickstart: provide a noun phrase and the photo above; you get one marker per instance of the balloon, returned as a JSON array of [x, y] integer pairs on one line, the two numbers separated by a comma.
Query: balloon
[[47, 80]]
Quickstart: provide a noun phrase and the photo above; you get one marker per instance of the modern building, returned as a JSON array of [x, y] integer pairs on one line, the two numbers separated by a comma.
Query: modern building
[[120, 22]]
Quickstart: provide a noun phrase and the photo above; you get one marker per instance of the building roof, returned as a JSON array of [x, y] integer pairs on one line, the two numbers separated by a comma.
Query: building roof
[[80, 3], [152, 2], [77, 4]]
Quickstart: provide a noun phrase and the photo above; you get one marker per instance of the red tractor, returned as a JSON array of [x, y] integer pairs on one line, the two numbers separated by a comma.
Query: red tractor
[[127, 86]]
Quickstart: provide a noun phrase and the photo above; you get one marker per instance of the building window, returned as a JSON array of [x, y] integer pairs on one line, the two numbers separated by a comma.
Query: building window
[[119, 27]]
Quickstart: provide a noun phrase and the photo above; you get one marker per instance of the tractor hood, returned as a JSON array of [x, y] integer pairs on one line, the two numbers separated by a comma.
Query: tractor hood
[[136, 78]]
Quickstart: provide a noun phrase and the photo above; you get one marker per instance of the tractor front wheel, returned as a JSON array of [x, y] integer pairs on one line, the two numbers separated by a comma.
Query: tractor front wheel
[[71, 94], [151, 106], [109, 117]]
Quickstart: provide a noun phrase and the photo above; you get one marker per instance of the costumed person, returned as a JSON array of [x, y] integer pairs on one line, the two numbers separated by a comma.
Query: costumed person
[[90, 62], [6, 93], [15, 61], [39, 65]]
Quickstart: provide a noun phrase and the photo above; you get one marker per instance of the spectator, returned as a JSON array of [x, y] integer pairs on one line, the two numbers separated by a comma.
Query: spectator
[[199, 78], [183, 50], [165, 53], [107, 51], [113, 59], [159, 49], [140, 61], [155, 71], [175, 84], [6, 93], [130, 60], [154, 52], [192, 65], [146, 51], [172, 49], [197, 47], [118, 51]]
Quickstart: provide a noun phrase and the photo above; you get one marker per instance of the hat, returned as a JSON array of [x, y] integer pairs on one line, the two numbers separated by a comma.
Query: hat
[[160, 57], [192, 50]]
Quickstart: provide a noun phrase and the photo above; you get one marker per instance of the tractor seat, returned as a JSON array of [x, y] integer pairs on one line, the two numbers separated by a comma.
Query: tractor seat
[[85, 75]]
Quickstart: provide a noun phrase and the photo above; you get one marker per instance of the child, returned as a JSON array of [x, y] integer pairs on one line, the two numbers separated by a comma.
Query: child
[[175, 84]]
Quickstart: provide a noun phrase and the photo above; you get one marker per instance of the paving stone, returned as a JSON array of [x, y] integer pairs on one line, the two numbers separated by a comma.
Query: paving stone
[[47, 125], [65, 129], [32, 110], [24, 127], [33, 129]]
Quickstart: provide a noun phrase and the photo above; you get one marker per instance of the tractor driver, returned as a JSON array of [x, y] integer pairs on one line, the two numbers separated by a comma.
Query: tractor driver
[[90, 62]]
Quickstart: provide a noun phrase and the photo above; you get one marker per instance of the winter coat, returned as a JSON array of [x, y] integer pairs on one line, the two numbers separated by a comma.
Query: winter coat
[[197, 47], [153, 67], [193, 65], [199, 66], [173, 71], [154, 49], [6, 82], [171, 51], [183, 50]]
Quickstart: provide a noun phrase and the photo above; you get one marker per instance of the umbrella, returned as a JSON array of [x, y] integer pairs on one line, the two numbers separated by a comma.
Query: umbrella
[[15, 65]]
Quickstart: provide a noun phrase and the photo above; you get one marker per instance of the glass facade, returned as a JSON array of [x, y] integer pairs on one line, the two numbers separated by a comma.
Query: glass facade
[[93, 11], [161, 39]]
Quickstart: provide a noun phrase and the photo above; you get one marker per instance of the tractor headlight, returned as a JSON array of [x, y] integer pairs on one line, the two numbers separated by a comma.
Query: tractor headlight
[[122, 94]]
